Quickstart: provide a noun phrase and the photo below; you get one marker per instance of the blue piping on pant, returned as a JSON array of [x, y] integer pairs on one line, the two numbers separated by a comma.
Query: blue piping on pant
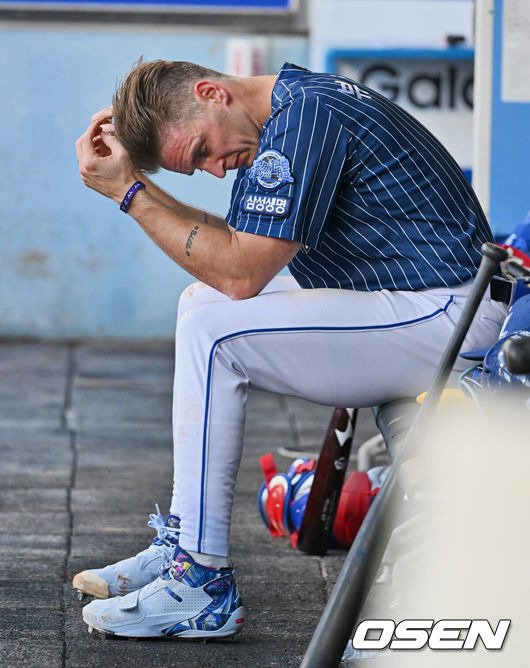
[[270, 331]]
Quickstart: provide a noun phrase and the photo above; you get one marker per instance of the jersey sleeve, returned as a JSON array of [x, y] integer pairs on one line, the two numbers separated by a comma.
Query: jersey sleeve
[[238, 189], [290, 189]]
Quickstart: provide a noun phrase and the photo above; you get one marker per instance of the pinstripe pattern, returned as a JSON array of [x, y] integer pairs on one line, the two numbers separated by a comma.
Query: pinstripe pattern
[[377, 201]]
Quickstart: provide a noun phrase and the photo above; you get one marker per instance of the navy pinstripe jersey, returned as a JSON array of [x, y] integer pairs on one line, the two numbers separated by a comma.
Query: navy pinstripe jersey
[[374, 198]]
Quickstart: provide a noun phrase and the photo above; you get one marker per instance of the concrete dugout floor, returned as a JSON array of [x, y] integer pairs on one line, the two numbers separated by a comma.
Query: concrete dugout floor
[[86, 452]]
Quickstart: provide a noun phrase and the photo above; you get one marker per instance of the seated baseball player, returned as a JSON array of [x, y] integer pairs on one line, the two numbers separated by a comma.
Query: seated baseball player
[[381, 233]]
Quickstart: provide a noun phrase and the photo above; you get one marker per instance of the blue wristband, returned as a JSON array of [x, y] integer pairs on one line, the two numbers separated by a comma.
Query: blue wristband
[[126, 201]]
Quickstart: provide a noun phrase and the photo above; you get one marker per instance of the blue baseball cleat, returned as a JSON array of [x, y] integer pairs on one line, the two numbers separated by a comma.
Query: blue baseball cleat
[[188, 600], [131, 574]]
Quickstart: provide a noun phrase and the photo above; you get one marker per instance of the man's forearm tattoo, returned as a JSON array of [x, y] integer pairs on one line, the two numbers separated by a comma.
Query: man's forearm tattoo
[[189, 242], [206, 220]]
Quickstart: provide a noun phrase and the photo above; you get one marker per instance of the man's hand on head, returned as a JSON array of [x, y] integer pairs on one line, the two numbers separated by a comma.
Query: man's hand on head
[[104, 164], [103, 115]]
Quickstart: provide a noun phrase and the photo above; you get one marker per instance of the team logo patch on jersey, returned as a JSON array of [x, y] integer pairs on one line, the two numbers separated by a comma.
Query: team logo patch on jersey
[[271, 205], [270, 170]]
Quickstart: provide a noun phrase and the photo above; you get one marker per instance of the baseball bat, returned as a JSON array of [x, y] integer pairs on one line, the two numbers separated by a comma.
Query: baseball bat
[[319, 514]]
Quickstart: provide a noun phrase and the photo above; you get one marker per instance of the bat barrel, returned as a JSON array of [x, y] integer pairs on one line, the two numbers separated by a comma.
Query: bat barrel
[[319, 515]]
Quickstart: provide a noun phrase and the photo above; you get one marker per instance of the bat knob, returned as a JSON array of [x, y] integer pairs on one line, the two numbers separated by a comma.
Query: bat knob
[[494, 252]]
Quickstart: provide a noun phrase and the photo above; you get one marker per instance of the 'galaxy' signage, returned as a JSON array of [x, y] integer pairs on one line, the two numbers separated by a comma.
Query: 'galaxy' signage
[[425, 85], [432, 87]]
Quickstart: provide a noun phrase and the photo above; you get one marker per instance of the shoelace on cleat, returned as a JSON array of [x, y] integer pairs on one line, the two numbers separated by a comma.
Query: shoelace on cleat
[[165, 534], [165, 568]]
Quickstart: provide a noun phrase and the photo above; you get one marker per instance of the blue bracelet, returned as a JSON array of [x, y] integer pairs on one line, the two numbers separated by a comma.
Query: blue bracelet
[[126, 201]]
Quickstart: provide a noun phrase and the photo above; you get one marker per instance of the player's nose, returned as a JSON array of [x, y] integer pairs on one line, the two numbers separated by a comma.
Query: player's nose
[[215, 167]]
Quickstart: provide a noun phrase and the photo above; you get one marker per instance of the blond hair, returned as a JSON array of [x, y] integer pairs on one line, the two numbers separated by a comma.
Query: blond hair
[[152, 96]]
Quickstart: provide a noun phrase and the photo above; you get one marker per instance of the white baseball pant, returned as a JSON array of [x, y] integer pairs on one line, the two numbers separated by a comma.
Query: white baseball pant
[[332, 347]]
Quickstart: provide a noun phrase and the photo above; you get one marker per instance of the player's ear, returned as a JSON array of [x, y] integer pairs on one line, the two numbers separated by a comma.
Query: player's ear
[[211, 91]]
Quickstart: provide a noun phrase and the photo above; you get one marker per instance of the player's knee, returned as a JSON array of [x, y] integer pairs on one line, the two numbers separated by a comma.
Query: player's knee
[[197, 294], [189, 293], [190, 296]]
